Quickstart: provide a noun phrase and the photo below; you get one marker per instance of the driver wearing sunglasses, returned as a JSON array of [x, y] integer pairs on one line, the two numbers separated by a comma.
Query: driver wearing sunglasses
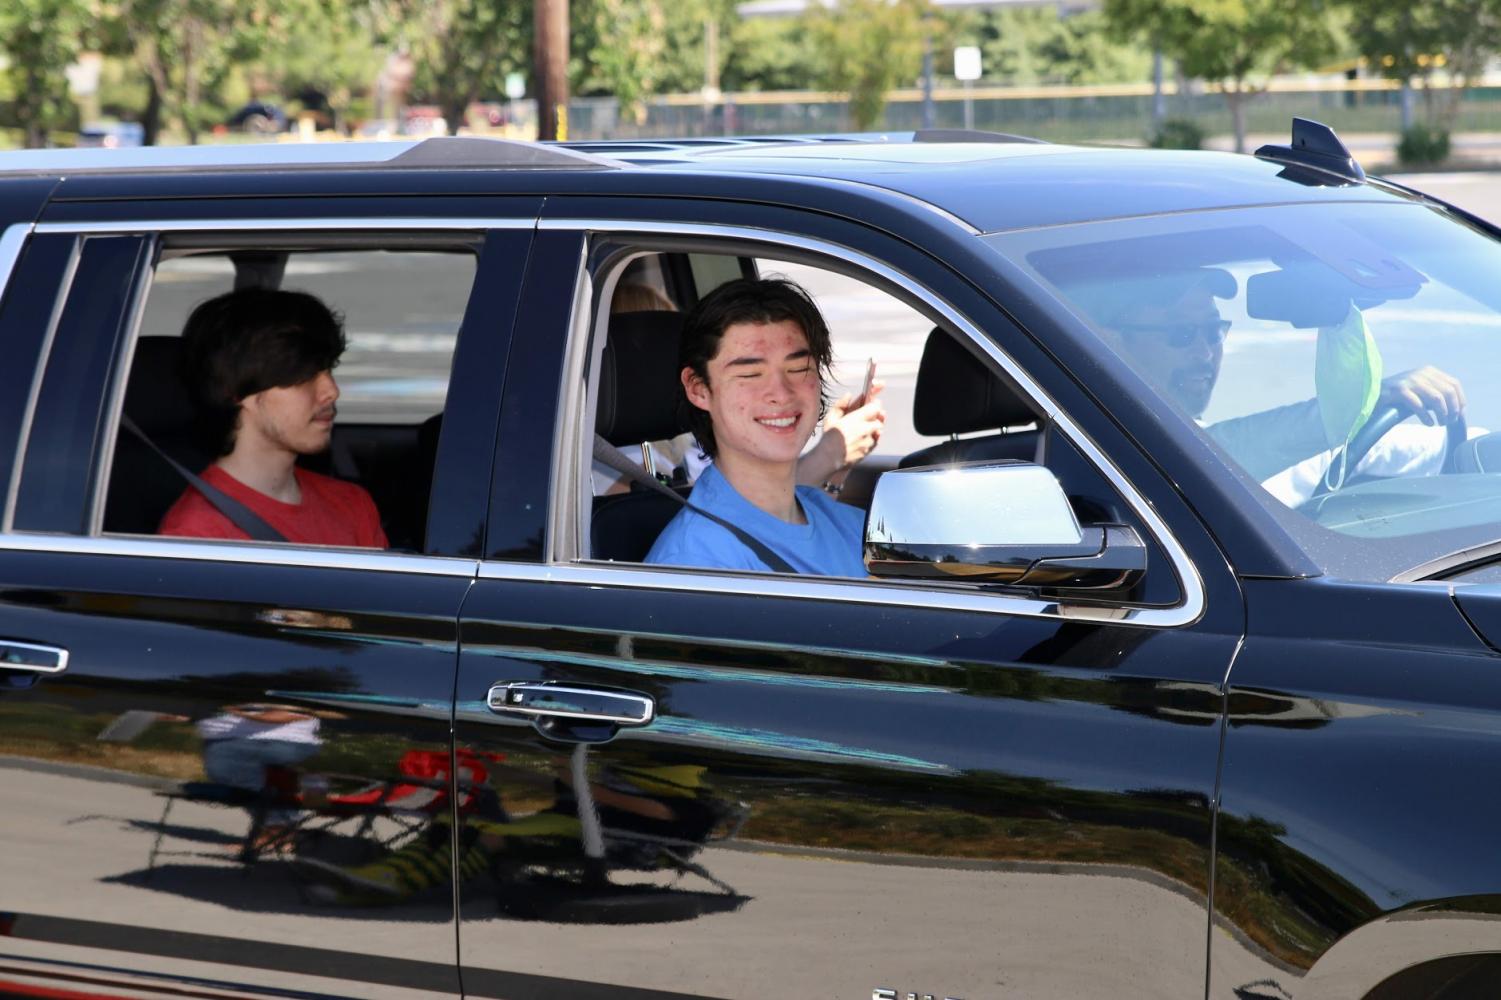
[[1171, 327]]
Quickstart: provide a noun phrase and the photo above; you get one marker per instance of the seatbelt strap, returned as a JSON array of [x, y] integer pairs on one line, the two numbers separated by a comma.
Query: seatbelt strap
[[239, 515], [605, 453]]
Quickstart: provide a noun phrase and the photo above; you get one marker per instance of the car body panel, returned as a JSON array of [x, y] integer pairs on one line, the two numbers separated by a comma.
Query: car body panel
[[1348, 811], [930, 798], [115, 865], [1281, 795]]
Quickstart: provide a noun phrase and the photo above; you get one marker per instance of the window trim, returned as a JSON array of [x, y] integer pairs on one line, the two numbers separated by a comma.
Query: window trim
[[228, 550], [12, 241], [570, 446]]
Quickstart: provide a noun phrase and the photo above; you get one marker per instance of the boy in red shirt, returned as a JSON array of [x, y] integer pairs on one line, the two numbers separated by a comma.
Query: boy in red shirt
[[261, 363]]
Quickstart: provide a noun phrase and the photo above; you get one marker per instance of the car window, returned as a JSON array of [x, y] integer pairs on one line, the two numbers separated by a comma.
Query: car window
[[944, 404], [1325, 349], [400, 312]]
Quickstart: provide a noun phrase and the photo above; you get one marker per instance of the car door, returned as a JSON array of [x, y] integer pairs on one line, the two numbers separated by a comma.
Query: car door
[[130, 663], [857, 789]]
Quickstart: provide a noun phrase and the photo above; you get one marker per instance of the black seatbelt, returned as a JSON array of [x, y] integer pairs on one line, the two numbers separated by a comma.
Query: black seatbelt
[[239, 515], [605, 453]]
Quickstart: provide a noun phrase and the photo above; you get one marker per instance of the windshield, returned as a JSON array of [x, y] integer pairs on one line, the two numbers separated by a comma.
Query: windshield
[[1346, 356]]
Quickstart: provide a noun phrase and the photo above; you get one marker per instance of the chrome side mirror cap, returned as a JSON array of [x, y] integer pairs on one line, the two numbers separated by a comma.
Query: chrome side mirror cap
[[994, 522]]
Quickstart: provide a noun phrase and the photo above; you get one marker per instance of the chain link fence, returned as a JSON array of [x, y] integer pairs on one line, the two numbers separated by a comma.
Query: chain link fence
[[1116, 115]]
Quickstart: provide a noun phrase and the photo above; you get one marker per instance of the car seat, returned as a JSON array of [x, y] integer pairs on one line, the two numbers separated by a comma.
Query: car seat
[[638, 393], [141, 485], [957, 394]]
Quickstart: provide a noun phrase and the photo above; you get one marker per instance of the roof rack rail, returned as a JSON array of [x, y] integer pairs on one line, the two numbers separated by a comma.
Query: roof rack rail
[[1315, 145], [969, 135], [475, 151]]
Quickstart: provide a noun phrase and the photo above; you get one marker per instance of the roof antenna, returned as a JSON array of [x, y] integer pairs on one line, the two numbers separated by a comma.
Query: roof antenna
[[1315, 145]]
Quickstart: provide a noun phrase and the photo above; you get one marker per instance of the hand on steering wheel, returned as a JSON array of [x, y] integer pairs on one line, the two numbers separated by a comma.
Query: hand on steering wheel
[[1434, 396]]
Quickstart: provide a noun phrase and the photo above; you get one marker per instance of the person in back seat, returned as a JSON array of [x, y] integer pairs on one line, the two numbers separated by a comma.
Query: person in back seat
[[260, 362], [754, 356]]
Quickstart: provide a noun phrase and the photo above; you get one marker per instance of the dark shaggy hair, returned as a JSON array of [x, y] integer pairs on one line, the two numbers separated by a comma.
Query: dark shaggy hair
[[745, 300], [250, 340]]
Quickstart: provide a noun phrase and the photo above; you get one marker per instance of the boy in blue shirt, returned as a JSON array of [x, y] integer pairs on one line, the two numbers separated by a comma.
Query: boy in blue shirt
[[754, 356]]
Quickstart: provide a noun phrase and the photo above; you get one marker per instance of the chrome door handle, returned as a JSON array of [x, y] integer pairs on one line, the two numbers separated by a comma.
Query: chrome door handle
[[544, 700], [31, 657]]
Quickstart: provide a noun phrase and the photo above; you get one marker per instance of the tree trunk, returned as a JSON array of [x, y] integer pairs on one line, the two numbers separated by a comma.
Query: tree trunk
[[1236, 99], [151, 117]]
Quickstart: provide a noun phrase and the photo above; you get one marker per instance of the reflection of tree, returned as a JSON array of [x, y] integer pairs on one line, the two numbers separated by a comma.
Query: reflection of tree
[[1286, 902]]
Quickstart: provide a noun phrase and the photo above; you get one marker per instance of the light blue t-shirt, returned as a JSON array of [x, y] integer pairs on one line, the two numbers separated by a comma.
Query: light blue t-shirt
[[828, 545]]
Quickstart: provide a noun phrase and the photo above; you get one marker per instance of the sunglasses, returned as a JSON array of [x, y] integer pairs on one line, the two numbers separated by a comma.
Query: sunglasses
[[1180, 335]]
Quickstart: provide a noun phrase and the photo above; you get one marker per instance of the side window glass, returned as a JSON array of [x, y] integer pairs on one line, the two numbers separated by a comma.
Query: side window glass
[[938, 403], [309, 388]]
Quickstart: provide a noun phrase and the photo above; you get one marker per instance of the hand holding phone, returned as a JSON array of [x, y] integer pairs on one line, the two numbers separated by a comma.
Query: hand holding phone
[[870, 378]]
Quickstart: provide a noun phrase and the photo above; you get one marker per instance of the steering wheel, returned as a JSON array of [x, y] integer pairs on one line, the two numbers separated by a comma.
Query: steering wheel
[[1374, 429]]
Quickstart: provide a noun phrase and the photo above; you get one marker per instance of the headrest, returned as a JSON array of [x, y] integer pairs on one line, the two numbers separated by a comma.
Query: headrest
[[957, 394], [155, 396], [638, 379]]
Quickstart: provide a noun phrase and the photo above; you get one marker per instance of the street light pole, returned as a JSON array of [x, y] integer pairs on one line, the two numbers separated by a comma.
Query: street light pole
[[550, 66]]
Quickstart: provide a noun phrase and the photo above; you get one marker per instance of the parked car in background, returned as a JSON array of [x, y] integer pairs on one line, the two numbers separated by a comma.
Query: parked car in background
[[259, 117], [1177, 672], [111, 135]]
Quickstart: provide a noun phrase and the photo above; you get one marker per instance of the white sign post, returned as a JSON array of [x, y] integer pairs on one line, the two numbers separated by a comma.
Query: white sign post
[[967, 69]]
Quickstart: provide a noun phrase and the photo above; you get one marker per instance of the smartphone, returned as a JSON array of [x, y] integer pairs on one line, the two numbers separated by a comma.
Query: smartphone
[[870, 378]]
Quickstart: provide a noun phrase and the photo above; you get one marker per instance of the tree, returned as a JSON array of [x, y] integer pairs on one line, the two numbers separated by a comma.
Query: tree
[[332, 62], [767, 53], [188, 49], [42, 38], [1238, 43], [865, 48], [463, 49], [626, 57], [1404, 41]]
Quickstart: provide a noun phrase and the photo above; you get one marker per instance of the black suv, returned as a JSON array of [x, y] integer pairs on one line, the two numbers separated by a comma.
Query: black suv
[[1176, 673]]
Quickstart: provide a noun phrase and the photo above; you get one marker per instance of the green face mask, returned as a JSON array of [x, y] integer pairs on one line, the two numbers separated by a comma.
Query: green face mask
[[1347, 378]]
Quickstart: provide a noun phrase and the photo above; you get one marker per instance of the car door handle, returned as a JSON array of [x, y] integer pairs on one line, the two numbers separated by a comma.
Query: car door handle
[[549, 700], [31, 657]]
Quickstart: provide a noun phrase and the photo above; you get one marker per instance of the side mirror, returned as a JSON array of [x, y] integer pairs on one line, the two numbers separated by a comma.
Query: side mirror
[[994, 522]]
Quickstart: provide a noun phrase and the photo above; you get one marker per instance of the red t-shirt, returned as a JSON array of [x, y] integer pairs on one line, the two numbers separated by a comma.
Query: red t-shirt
[[332, 512]]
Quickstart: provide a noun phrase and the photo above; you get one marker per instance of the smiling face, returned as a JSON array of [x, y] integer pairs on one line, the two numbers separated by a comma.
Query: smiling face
[[296, 418], [762, 394]]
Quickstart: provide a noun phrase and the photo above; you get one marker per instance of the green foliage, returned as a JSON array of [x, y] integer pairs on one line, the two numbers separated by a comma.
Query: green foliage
[[1034, 45], [463, 49], [337, 54], [1177, 133], [42, 38], [767, 53], [865, 48], [1231, 40], [190, 49], [1238, 43], [1403, 41], [1423, 145], [629, 46]]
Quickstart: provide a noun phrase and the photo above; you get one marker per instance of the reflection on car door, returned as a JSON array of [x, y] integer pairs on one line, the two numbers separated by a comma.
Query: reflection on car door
[[135, 860], [834, 798]]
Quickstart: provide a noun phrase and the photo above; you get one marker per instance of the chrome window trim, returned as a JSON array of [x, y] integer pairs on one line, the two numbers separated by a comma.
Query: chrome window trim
[[845, 591], [569, 517], [64, 288], [1189, 610], [11, 242], [252, 553], [149, 227], [361, 224]]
